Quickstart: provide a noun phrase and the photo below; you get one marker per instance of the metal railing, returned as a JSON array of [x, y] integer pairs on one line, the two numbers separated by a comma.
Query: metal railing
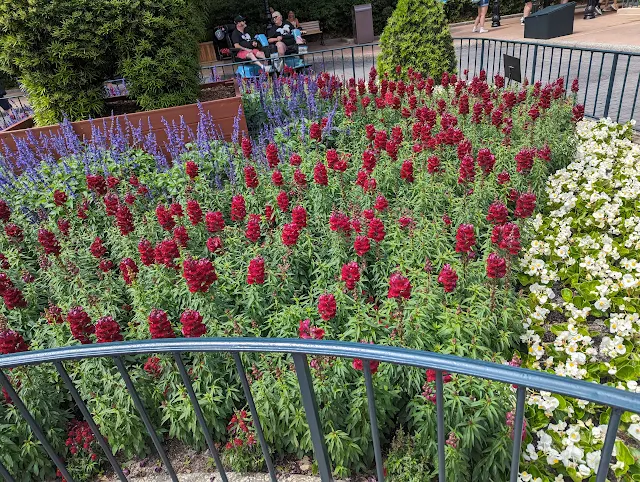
[[523, 379], [609, 80]]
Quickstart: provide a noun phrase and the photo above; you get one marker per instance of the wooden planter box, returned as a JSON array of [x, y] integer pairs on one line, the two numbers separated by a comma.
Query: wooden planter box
[[222, 111]]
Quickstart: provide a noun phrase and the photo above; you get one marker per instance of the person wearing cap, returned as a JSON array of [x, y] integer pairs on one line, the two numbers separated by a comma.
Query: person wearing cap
[[248, 48]]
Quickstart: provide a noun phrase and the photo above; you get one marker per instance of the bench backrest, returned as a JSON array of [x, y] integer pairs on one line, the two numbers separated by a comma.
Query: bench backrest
[[310, 26]]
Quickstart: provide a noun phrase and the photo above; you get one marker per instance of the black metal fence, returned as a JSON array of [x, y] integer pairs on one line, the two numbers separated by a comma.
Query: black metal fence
[[619, 400], [20, 109]]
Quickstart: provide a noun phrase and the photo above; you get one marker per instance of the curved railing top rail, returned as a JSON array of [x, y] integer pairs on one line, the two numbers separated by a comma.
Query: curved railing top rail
[[621, 49], [493, 371]]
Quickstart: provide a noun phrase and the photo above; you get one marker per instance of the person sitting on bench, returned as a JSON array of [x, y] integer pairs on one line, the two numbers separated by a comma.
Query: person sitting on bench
[[281, 33], [248, 48]]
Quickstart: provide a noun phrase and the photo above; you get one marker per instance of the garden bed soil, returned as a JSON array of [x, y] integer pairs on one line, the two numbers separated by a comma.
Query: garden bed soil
[[221, 100]]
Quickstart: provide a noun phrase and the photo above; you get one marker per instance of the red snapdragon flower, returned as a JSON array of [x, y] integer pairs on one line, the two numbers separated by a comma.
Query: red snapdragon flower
[[105, 265], [124, 220], [272, 155], [433, 165], [351, 274], [214, 244], [295, 159], [376, 230], [108, 330], [181, 236], [5, 211], [507, 237], [129, 270], [465, 238], [255, 272], [199, 274], [194, 212], [276, 178], [575, 86], [544, 153], [448, 278], [159, 325], [152, 366], [145, 249], [406, 221], [164, 217], [59, 197], [290, 233], [308, 332], [496, 266], [525, 205], [214, 221], [111, 203], [283, 201], [97, 249], [80, 324], [64, 226], [327, 306], [13, 298], [399, 287], [361, 245], [320, 174], [486, 161], [503, 178], [524, 160], [49, 242], [246, 147], [498, 213], [315, 131], [252, 232], [467, 171], [370, 131], [238, 208], [369, 160], [96, 183], [299, 216], [192, 325], [12, 342], [250, 177], [191, 168], [381, 203], [14, 232], [299, 178], [53, 315], [165, 252], [339, 221], [406, 171]]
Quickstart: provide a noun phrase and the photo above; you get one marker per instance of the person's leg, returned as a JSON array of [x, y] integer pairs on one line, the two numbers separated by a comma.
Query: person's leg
[[251, 56], [282, 48], [475, 24], [527, 11], [483, 14]]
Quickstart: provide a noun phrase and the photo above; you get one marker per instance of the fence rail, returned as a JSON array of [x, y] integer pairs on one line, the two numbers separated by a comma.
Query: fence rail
[[20, 109], [522, 379]]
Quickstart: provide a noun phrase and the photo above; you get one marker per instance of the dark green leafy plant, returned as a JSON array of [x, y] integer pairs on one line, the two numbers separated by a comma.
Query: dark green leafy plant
[[417, 35]]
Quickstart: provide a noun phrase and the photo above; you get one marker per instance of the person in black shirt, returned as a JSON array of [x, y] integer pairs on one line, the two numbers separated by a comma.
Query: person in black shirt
[[281, 33], [248, 47]]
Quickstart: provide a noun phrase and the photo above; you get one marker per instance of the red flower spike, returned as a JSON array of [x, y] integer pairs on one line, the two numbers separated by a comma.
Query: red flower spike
[[376, 230], [503, 178], [255, 271], [315, 131], [327, 306], [252, 233], [525, 205], [467, 172], [299, 216], [214, 221], [290, 233], [199, 274], [164, 218], [5, 211], [496, 266], [381, 203], [96, 183], [14, 232], [191, 168], [238, 209], [181, 236], [80, 324], [97, 249], [124, 220], [351, 274], [194, 212], [486, 161], [59, 197], [159, 325], [64, 226], [399, 287], [152, 366], [448, 278], [49, 242], [108, 330], [12, 342], [165, 252], [250, 177], [214, 244], [361, 245], [145, 249], [283, 201], [308, 332], [295, 159], [192, 325], [276, 178], [465, 238], [246, 147], [406, 171], [272, 155], [299, 178], [129, 270], [498, 213]]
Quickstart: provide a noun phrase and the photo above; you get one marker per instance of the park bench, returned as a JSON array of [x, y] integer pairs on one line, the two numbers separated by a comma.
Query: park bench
[[312, 28]]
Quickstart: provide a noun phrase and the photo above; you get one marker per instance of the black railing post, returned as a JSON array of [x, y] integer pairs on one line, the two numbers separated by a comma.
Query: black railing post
[[609, 441], [517, 433], [200, 416], [481, 55], [442, 476], [495, 11], [145, 418], [4, 473], [35, 428], [534, 62], [89, 418], [612, 78], [353, 62], [254, 414], [313, 417], [373, 418]]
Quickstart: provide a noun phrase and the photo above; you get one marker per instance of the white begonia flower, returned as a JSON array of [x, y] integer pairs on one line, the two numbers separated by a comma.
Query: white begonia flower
[[634, 430], [559, 478], [593, 459], [602, 304], [584, 470], [525, 476], [628, 281]]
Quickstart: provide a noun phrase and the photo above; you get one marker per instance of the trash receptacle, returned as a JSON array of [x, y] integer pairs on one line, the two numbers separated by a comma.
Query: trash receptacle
[[363, 23], [550, 22]]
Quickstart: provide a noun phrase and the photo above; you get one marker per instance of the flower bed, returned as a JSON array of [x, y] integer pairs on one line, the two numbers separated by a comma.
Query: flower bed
[[396, 222], [582, 271]]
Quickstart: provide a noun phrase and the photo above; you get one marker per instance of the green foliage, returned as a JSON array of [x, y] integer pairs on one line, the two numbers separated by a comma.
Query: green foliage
[[417, 35], [63, 50]]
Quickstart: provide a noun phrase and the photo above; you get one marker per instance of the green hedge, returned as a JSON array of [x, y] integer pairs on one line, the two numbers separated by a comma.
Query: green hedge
[[63, 50]]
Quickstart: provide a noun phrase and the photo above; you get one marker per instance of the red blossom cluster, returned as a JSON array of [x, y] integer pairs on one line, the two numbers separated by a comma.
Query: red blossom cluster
[[308, 332], [11, 295], [448, 278], [199, 274], [250, 177], [350, 274], [240, 431], [496, 266], [498, 213], [107, 330], [80, 439], [214, 221], [49, 242], [252, 233], [129, 270], [399, 287], [507, 237], [192, 325], [80, 323], [238, 208], [255, 271], [152, 366], [327, 306], [194, 212], [159, 325], [11, 342]]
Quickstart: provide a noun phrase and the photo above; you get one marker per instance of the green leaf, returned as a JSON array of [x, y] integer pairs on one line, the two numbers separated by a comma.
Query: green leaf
[[567, 294]]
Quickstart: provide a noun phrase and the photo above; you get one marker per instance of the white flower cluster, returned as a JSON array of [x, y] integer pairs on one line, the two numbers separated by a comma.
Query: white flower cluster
[[583, 269]]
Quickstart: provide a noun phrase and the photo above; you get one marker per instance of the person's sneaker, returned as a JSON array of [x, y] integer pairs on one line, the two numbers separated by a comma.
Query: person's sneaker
[[474, 29], [522, 21], [598, 11], [267, 69], [482, 30]]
